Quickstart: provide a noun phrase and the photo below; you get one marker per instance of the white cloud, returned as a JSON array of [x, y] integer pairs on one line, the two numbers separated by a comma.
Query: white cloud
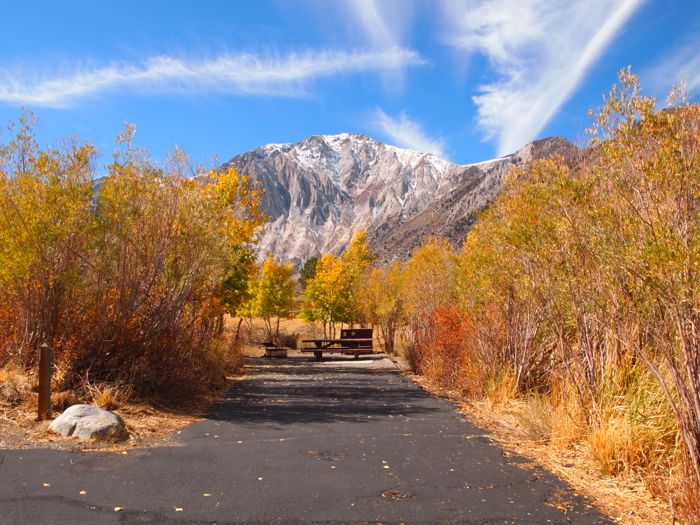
[[230, 73], [408, 133], [682, 64], [384, 25], [372, 18], [541, 50]]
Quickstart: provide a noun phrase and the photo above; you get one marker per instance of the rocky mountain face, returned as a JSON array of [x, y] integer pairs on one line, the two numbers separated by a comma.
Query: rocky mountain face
[[320, 190]]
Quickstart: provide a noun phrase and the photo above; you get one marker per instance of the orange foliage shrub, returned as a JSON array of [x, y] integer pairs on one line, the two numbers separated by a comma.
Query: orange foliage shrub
[[445, 352], [126, 282]]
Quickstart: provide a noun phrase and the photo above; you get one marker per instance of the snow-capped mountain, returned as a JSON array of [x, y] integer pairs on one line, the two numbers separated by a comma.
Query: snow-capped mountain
[[318, 191]]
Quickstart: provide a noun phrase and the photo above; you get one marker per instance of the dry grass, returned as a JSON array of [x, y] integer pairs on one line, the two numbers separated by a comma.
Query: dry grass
[[612, 445], [635, 429], [499, 389], [15, 385], [109, 397], [535, 416], [62, 400], [292, 331], [149, 423], [526, 427], [554, 419]]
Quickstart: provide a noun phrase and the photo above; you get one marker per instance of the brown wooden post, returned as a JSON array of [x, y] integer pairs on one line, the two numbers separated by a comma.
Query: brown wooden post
[[44, 382]]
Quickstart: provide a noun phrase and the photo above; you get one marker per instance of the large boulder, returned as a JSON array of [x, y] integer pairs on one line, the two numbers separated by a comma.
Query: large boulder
[[88, 422]]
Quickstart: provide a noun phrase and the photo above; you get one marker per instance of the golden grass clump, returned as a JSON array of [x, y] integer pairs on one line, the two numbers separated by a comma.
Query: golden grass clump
[[15, 385], [499, 388], [636, 430], [62, 400], [108, 396]]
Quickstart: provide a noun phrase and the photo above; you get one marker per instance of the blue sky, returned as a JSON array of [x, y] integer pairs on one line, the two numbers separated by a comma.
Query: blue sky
[[468, 80]]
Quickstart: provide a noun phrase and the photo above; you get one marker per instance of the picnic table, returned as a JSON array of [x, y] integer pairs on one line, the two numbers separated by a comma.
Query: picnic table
[[272, 349], [356, 341]]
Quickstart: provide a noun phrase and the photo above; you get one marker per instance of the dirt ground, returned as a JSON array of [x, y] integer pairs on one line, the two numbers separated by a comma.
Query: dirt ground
[[292, 332], [148, 426]]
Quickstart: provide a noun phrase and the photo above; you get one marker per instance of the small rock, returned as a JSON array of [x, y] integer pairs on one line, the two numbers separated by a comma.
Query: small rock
[[88, 422]]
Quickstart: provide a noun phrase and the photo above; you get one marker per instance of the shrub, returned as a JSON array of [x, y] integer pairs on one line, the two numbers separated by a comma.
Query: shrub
[[126, 283], [578, 291]]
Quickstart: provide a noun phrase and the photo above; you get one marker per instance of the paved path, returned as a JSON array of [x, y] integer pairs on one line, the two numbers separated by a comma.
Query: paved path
[[333, 442]]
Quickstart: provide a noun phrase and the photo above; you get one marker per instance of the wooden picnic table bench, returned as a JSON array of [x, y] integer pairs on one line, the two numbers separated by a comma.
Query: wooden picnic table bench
[[352, 341], [272, 349]]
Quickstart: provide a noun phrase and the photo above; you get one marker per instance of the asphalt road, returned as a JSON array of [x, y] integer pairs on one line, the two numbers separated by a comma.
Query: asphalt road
[[331, 442]]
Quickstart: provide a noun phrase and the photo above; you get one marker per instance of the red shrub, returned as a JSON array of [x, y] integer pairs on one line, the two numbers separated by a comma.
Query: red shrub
[[444, 351]]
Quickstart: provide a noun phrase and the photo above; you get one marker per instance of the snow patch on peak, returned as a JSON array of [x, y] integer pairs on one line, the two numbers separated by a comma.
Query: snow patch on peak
[[490, 161], [320, 189], [272, 148], [339, 137], [414, 159], [337, 142]]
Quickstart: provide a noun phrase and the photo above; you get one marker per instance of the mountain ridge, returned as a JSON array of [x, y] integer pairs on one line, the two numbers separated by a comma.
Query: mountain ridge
[[319, 190]]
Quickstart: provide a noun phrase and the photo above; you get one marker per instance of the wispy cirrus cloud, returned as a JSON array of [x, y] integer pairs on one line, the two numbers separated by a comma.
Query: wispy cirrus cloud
[[242, 73], [383, 24], [540, 50], [408, 133], [681, 64]]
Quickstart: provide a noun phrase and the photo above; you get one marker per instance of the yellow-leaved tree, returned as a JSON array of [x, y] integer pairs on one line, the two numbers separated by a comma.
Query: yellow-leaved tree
[[46, 234], [124, 277], [327, 294], [357, 260], [381, 297], [577, 293], [274, 295], [331, 296]]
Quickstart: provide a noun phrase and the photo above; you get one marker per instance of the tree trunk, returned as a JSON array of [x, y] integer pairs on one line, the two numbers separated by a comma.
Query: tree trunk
[[238, 328]]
